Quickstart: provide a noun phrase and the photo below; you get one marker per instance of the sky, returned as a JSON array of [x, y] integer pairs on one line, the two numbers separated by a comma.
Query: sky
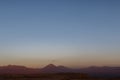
[[73, 33]]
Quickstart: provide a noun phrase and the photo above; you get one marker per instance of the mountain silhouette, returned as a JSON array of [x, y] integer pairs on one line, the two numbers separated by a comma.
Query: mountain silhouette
[[15, 69], [51, 68]]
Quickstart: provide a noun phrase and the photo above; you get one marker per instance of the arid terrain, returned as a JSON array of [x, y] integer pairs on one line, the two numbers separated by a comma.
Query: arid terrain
[[51, 76]]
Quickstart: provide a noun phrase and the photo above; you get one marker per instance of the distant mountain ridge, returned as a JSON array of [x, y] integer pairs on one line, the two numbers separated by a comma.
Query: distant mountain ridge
[[51, 68], [55, 69]]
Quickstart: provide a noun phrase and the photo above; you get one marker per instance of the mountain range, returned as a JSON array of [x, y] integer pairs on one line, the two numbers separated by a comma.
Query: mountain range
[[51, 68]]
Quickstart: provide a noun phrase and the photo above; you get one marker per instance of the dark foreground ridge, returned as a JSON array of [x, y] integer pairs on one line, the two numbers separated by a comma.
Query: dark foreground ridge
[[52, 71]]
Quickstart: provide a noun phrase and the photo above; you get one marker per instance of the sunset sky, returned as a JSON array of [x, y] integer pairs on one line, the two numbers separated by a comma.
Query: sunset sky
[[73, 33]]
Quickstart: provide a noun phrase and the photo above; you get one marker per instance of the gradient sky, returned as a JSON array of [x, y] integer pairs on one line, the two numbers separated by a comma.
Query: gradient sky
[[74, 33]]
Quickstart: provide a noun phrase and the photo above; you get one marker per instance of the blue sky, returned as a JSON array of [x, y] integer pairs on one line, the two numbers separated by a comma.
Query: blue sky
[[85, 32]]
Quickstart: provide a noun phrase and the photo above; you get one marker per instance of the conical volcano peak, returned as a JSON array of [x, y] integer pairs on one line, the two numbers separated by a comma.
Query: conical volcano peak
[[50, 66]]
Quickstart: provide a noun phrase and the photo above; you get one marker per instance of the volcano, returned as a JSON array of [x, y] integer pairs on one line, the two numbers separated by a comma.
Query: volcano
[[51, 68]]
